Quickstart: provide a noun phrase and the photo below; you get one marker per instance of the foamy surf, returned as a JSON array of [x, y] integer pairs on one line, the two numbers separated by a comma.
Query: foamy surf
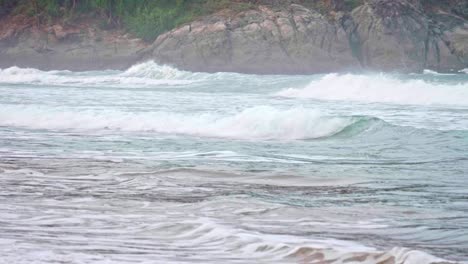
[[143, 75], [216, 170], [431, 72], [152, 70], [380, 89], [147, 74], [152, 219], [261, 122]]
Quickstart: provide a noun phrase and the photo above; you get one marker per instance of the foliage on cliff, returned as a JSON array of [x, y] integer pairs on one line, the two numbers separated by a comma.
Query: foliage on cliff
[[146, 19]]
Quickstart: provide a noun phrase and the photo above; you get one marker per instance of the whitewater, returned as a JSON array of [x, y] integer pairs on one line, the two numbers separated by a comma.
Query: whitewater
[[159, 165]]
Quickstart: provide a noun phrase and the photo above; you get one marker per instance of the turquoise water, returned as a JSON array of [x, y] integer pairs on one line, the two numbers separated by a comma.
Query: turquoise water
[[164, 166]]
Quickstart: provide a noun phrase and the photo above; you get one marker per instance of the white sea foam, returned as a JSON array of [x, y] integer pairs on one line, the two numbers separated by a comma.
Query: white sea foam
[[262, 122], [381, 88], [426, 71], [431, 72], [146, 74], [152, 70], [122, 230]]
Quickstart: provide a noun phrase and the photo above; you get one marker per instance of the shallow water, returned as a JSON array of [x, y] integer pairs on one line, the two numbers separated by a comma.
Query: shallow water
[[158, 165]]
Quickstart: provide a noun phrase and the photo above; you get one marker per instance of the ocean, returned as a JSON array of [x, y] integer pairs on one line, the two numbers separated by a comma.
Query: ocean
[[159, 165]]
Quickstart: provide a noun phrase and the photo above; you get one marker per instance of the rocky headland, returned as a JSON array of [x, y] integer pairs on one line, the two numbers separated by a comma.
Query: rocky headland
[[79, 48], [272, 37]]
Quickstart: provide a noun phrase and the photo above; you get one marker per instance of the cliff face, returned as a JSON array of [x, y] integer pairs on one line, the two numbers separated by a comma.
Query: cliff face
[[273, 37], [399, 35], [291, 40], [79, 47], [390, 35]]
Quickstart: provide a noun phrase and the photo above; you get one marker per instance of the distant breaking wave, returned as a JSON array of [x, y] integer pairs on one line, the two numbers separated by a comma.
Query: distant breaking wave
[[382, 89], [373, 88], [262, 122], [146, 74], [152, 70], [142, 75]]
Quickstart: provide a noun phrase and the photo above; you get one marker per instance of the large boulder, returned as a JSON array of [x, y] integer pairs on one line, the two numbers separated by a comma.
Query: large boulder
[[387, 35], [452, 45], [392, 35], [290, 40], [24, 44], [398, 35]]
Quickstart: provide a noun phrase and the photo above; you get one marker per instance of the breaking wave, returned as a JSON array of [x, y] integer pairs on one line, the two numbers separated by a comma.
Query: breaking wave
[[273, 248], [262, 122], [381, 89], [152, 70], [146, 74]]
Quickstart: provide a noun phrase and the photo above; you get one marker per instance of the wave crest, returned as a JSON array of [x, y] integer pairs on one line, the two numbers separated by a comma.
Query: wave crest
[[380, 89], [146, 74], [262, 122], [152, 70]]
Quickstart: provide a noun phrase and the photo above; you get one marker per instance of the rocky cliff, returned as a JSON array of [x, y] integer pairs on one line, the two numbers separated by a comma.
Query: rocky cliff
[[80, 47], [388, 35], [285, 37]]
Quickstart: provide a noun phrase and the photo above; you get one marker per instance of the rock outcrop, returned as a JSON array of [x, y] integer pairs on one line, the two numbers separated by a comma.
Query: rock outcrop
[[73, 48], [389, 35], [276, 36], [399, 35], [292, 40]]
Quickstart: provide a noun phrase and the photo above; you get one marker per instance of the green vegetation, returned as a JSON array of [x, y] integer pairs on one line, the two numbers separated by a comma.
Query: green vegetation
[[149, 20], [145, 19], [351, 4]]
